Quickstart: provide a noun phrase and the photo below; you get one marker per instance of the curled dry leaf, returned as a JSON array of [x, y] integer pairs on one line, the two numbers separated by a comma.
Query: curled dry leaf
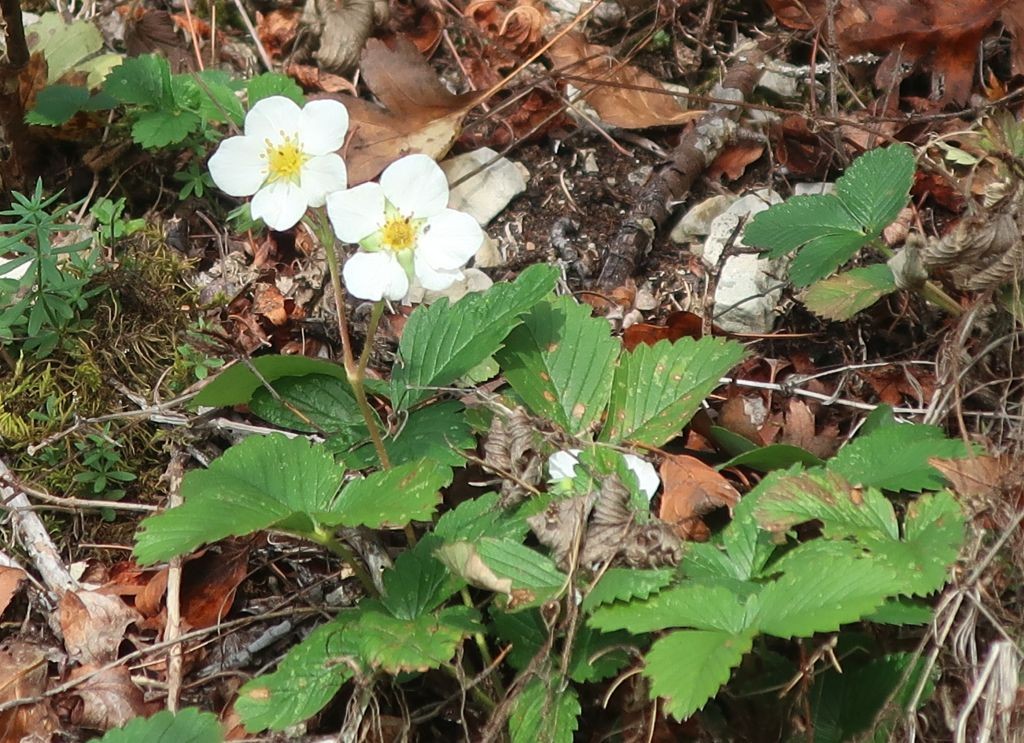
[[277, 30], [517, 28], [623, 95], [10, 582], [106, 700], [692, 489], [732, 162], [677, 325], [23, 674], [94, 624]]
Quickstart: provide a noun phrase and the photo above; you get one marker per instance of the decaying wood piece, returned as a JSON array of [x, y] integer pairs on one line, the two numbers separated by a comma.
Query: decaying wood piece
[[669, 184]]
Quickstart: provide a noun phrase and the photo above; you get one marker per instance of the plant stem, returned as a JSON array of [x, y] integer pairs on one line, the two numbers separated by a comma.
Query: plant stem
[[342, 550], [929, 290], [353, 371]]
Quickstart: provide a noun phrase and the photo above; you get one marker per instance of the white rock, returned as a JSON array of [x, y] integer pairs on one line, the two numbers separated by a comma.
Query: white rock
[[489, 191], [810, 189], [749, 288], [489, 254], [590, 165], [473, 280], [697, 221]]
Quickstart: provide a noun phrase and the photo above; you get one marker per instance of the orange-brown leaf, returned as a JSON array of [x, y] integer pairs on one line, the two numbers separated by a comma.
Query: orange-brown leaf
[[692, 489]]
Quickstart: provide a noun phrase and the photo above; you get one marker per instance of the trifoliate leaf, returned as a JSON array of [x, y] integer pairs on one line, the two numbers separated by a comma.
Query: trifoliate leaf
[[236, 385], [626, 584], [829, 228], [544, 714], [896, 458], [186, 726], [442, 342], [305, 680], [657, 389], [259, 483], [418, 582], [155, 129], [439, 432], [843, 296], [326, 402], [273, 83], [395, 645], [698, 604], [560, 362], [480, 517], [687, 668], [393, 497], [142, 81]]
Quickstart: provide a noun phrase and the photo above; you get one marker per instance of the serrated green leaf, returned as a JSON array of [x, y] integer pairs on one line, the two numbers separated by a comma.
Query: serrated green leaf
[[524, 631], [698, 604], [875, 187], [626, 584], [259, 483], [542, 714], [418, 582], [305, 680], [442, 342], [560, 361], [773, 457], [56, 104], [439, 432], [97, 68], [155, 129], [896, 458], [821, 590], [480, 517], [273, 83], [395, 645], [598, 655], [326, 401], [506, 567], [189, 725], [236, 385], [843, 296], [748, 546], [687, 668], [62, 44], [142, 81], [731, 442], [657, 389], [900, 611], [394, 497]]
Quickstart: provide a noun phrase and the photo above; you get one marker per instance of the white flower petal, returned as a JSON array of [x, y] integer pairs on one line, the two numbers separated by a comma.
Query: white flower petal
[[280, 205], [375, 276], [450, 239], [272, 119], [562, 464], [435, 279], [416, 185], [357, 212], [322, 127], [646, 475], [237, 166], [322, 175]]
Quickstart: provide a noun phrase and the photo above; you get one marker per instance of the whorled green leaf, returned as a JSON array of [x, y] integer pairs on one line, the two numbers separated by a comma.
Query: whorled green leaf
[[843, 296], [626, 584], [305, 680], [326, 402], [394, 497], [544, 714], [394, 645], [699, 604], [259, 483], [560, 361], [657, 389], [189, 725], [236, 385], [442, 342], [688, 667]]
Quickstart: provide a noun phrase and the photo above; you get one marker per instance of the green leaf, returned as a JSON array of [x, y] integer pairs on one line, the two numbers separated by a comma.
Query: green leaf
[[442, 342], [901, 611], [142, 81], [829, 228], [394, 497], [843, 296], [687, 668], [62, 44], [480, 517], [626, 584], [395, 645], [523, 630], [418, 582], [657, 389], [155, 129], [503, 566], [560, 362], [325, 400], [698, 604], [259, 483], [236, 385], [187, 726], [217, 99], [274, 83], [544, 714], [305, 680], [773, 457], [439, 432], [56, 104], [597, 655], [822, 590], [896, 458]]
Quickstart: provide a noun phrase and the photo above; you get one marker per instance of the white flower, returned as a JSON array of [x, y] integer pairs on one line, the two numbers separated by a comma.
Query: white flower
[[287, 158], [405, 229], [562, 465]]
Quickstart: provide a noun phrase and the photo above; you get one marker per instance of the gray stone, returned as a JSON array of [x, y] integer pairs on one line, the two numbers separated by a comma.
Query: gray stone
[[697, 221]]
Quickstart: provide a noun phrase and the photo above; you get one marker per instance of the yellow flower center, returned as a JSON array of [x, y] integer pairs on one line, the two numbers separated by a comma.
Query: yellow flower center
[[285, 160], [398, 233]]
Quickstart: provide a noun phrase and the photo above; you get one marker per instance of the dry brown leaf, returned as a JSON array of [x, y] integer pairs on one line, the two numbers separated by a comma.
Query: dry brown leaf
[[23, 674], [108, 700], [623, 95], [732, 162], [10, 581], [94, 624], [973, 477], [418, 114], [277, 30], [209, 583], [692, 489]]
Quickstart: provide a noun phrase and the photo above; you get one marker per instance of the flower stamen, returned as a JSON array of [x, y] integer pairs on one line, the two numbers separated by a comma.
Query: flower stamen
[[285, 159], [398, 233]]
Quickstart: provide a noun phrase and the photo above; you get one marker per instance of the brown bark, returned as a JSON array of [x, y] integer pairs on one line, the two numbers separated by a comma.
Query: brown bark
[[15, 145], [699, 146]]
